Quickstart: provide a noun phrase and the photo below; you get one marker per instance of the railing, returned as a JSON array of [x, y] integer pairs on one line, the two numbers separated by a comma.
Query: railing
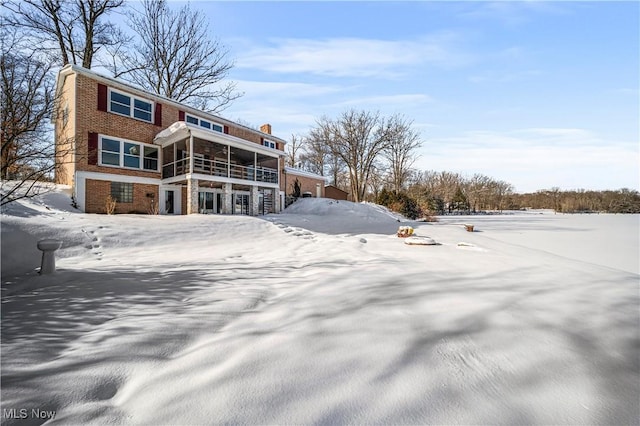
[[220, 168]]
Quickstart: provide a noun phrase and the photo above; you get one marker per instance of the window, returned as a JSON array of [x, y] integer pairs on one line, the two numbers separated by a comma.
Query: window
[[209, 125], [269, 144], [122, 192], [150, 158], [142, 110], [133, 155], [131, 106], [110, 152]]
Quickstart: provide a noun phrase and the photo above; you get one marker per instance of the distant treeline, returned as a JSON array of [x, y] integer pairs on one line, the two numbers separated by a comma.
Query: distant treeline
[[439, 193], [580, 201]]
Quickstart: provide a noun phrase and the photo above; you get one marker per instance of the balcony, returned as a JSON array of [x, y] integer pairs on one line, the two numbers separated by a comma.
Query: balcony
[[220, 169], [220, 161]]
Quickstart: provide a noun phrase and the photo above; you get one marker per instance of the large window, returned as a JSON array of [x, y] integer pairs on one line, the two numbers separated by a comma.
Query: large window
[[122, 192], [132, 155], [210, 125], [131, 106]]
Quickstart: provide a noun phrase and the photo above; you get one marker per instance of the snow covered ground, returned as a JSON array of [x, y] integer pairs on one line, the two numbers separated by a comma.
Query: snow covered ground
[[319, 315]]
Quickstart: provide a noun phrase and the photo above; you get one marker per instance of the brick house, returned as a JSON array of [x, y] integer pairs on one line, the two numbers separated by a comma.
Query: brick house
[[152, 153]]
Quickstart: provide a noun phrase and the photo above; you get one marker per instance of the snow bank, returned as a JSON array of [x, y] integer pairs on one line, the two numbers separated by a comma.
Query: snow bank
[[227, 319], [341, 217]]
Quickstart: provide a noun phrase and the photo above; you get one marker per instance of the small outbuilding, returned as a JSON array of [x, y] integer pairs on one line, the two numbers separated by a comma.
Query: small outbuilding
[[331, 191]]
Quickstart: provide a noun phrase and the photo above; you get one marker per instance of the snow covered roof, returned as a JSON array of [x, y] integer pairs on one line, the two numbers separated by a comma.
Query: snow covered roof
[[181, 129], [300, 172]]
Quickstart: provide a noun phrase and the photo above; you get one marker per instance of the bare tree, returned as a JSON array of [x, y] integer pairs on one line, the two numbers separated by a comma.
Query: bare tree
[[315, 152], [400, 152], [357, 138], [293, 150], [71, 31], [28, 149], [175, 57]]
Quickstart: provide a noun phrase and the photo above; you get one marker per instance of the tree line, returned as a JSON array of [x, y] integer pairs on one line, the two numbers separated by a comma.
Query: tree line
[[371, 157]]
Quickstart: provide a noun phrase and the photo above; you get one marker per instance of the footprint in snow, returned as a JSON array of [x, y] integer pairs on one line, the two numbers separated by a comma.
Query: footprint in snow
[[94, 244]]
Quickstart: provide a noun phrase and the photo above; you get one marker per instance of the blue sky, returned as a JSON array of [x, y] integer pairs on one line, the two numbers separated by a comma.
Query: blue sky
[[536, 94]]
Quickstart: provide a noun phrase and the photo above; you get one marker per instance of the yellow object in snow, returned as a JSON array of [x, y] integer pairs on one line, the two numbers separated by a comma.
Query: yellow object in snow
[[405, 231]]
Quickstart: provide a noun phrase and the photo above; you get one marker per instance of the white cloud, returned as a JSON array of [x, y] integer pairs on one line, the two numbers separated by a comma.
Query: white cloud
[[387, 100], [340, 57], [504, 76], [538, 158], [511, 14], [290, 89]]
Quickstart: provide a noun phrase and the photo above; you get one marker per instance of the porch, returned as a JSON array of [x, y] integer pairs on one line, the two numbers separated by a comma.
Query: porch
[[218, 160], [222, 174]]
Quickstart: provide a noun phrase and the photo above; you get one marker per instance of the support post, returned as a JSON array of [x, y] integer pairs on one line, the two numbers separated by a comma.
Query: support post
[[276, 201], [227, 207], [192, 195], [191, 154], [254, 197]]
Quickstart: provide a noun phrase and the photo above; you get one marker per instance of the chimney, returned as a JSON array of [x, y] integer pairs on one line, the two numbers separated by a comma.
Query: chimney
[[266, 128]]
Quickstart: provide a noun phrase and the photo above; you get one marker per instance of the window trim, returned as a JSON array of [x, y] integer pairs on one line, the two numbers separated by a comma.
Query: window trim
[[269, 143], [132, 107], [200, 120], [121, 154]]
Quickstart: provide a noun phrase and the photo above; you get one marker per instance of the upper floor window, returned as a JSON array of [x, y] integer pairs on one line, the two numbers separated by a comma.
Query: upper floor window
[[269, 144], [128, 154], [210, 125], [131, 106]]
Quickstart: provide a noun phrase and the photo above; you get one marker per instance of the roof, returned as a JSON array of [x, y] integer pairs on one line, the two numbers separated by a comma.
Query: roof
[[70, 68], [336, 188], [181, 129], [300, 172]]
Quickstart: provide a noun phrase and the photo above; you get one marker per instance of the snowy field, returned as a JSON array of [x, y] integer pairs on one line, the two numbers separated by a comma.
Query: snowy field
[[319, 315]]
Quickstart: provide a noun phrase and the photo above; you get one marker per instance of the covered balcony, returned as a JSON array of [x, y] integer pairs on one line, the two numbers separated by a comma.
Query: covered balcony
[[215, 156]]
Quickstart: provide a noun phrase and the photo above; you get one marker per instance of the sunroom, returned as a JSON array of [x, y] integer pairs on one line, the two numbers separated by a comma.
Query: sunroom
[[219, 169]]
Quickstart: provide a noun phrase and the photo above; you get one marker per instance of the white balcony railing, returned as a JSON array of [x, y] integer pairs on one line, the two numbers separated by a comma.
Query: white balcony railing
[[220, 168]]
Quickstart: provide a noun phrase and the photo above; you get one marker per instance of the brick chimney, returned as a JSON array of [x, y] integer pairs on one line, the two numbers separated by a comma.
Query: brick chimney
[[266, 128]]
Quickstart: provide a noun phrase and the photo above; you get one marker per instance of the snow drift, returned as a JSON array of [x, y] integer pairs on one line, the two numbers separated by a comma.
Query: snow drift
[[319, 315]]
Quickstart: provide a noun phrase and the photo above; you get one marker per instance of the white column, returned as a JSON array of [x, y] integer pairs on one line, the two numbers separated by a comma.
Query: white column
[[191, 155]]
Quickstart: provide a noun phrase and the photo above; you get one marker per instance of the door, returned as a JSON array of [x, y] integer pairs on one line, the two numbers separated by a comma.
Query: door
[[205, 202], [169, 207], [218, 203], [241, 204]]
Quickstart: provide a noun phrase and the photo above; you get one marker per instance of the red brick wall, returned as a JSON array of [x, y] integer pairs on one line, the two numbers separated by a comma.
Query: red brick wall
[[307, 184], [97, 191], [89, 119]]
